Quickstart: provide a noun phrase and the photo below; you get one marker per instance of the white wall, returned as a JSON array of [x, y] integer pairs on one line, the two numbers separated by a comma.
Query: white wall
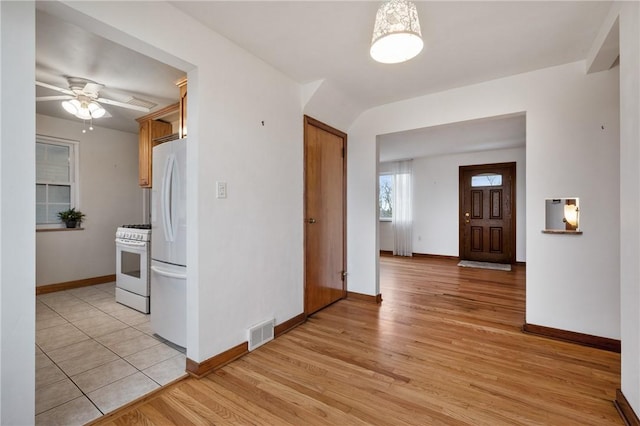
[[109, 196], [567, 153], [322, 101], [436, 201], [17, 213], [244, 254], [385, 234], [630, 199]]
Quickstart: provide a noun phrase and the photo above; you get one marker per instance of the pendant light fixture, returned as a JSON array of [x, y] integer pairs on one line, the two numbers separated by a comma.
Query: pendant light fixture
[[396, 34]]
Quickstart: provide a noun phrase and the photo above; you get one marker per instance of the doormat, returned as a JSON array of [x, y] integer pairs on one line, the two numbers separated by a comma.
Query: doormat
[[485, 265]]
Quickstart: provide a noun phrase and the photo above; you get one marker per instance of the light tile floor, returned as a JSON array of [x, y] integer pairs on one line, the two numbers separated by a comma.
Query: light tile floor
[[94, 355]]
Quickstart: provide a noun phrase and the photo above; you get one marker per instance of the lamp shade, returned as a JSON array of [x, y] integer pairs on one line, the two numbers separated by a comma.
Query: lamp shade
[[571, 214], [396, 34], [84, 109], [96, 110], [72, 106], [83, 112]]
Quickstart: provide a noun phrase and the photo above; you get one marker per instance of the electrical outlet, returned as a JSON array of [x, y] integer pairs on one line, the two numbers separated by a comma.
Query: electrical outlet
[[221, 189]]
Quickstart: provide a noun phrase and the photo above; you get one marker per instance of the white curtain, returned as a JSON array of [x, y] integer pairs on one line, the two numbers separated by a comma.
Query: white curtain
[[402, 209]]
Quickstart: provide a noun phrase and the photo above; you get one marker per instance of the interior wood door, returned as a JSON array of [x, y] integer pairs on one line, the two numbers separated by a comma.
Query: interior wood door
[[325, 214], [487, 213]]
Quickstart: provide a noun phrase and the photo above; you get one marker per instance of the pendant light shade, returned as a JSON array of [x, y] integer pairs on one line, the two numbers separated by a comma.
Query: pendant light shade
[[396, 34]]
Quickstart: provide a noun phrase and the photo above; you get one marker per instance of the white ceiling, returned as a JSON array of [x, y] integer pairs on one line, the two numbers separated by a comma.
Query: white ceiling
[[467, 136], [465, 43]]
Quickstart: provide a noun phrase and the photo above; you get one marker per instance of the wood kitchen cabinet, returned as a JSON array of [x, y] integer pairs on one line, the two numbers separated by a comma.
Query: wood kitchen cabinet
[[153, 127], [182, 84], [156, 128]]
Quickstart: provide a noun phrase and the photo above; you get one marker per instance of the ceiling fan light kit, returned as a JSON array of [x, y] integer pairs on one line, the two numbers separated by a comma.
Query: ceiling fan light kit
[[83, 96], [396, 33], [84, 109]]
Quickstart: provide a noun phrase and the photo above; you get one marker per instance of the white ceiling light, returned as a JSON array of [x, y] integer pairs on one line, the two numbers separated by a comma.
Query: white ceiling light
[[84, 108], [396, 34]]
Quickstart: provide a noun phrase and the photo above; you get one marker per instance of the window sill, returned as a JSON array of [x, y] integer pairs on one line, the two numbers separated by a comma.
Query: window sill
[[385, 219], [58, 229], [560, 231]]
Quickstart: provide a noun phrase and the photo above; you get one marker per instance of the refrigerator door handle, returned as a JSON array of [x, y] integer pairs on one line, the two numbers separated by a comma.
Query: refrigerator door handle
[[174, 197], [169, 274], [167, 186]]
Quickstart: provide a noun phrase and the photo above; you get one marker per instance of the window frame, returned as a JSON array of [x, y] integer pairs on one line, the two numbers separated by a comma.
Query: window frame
[[380, 218], [74, 175]]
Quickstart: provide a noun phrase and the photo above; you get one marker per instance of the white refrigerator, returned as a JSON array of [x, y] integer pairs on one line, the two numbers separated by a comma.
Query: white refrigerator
[[168, 242]]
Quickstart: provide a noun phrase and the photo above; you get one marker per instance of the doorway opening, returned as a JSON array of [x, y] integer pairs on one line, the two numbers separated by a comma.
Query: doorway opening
[[437, 153], [105, 336]]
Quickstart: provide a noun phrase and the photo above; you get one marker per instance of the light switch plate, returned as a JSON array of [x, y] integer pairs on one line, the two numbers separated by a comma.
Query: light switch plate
[[221, 189]]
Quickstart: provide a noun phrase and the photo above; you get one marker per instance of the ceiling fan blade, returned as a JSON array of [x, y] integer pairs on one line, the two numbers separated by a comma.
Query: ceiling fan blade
[[92, 88], [122, 104], [56, 88], [53, 98]]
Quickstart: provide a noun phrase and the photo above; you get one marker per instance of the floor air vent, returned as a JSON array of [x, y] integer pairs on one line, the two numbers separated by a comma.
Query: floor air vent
[[260, 334]]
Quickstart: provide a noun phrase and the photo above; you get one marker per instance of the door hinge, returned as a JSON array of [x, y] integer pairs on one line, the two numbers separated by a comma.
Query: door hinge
[[342, 152]]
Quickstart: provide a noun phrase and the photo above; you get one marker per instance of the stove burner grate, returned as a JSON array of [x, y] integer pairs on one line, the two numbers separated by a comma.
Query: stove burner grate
[[146, 226]]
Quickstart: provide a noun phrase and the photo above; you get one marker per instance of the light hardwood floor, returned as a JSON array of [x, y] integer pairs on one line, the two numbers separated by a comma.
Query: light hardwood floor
[[443, 348]]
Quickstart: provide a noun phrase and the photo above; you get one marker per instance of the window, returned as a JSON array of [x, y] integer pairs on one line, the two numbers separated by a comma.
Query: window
[[385, 197], [486, 179], [56, 179]]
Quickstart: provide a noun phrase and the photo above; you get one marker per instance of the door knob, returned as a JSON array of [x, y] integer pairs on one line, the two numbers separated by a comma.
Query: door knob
[[466, 217], [311, 220]]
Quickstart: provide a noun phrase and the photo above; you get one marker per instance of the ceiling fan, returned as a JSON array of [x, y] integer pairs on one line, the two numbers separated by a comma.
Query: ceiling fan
[[83, 100]]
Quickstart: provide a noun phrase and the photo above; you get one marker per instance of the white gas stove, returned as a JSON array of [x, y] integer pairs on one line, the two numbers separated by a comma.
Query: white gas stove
[[134, 232], [132, 266]]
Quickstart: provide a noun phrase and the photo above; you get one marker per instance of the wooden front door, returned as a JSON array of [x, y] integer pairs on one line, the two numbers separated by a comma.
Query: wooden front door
[[325, 214], [487, 213]]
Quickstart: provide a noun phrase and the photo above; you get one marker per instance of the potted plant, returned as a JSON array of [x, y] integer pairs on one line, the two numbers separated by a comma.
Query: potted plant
[[71, 217]]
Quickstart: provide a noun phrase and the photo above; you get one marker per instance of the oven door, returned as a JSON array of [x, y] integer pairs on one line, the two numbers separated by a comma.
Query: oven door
[[132, 266]]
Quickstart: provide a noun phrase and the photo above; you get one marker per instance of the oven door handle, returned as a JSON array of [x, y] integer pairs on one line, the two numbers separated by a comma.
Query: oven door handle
[[168, 274], [130, 243]]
